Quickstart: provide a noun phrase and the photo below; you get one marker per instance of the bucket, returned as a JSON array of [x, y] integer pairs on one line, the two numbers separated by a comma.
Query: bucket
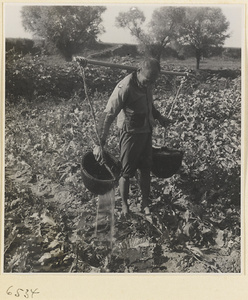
[[166, 162], [96, 177]]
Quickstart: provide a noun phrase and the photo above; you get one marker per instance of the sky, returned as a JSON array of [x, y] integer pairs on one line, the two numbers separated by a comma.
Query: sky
[[233, 13]]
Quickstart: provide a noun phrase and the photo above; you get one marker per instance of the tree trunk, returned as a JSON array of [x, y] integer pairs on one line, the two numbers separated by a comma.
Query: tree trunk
[[155, 51], [198, 58]]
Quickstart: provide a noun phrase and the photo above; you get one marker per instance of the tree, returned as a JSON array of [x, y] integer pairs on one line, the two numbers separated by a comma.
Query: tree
[[133, 20], [65, 27], [161, 30], [203, 28]]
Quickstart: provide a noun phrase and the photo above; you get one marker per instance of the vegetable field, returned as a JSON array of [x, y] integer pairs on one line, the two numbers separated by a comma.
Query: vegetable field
[[50, 216]]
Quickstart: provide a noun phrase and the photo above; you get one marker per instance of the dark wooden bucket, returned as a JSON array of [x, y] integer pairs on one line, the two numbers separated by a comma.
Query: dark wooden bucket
[[166, 162], [96, 177]]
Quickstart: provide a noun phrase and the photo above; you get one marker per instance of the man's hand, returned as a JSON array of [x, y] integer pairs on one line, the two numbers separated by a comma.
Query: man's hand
[[80, 60], [97, 151], [165, 122]]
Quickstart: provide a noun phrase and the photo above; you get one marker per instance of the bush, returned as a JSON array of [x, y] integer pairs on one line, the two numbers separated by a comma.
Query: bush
[[232, 53], [33, 76], [20, 46]]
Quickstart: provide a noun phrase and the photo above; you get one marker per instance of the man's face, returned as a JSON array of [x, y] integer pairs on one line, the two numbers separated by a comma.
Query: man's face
[[147, 77]]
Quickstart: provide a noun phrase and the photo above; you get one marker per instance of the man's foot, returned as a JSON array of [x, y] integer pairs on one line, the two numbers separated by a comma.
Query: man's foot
[[125, 210], [146, 211]]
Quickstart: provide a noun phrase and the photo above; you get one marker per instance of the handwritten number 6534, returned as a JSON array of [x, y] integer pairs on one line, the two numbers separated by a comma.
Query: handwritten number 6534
[[22, 292]]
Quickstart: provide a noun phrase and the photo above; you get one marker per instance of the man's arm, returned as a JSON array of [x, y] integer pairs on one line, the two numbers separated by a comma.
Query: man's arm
[[156, 114], [114, 106], [163, 121]]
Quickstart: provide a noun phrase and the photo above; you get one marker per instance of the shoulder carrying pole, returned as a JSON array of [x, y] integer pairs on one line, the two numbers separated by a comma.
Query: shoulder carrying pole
[[84, 61]]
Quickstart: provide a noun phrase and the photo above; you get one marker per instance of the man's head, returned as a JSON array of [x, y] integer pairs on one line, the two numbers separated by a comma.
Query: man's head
[[148, 72]]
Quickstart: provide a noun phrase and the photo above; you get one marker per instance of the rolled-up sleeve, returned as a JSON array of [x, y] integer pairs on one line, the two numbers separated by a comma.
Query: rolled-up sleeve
[[116, 100]]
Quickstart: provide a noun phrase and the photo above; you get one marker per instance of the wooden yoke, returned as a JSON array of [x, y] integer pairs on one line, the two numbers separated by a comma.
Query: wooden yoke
[[84, 61]]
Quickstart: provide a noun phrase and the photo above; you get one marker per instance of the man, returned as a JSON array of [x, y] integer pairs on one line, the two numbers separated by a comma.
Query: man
[[132, 101]]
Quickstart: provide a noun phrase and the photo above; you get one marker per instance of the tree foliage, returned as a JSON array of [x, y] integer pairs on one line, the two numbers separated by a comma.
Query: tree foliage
[[160, 31], [133, 20], [65, 27], [202, 29], [163, 28]]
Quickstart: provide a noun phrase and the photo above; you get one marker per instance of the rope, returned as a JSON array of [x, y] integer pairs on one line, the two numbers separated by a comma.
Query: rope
[[173, 104], [175, 99], [82, 73]]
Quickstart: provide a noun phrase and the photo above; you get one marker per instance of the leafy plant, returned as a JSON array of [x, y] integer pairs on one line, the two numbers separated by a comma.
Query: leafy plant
[[50, 216]]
